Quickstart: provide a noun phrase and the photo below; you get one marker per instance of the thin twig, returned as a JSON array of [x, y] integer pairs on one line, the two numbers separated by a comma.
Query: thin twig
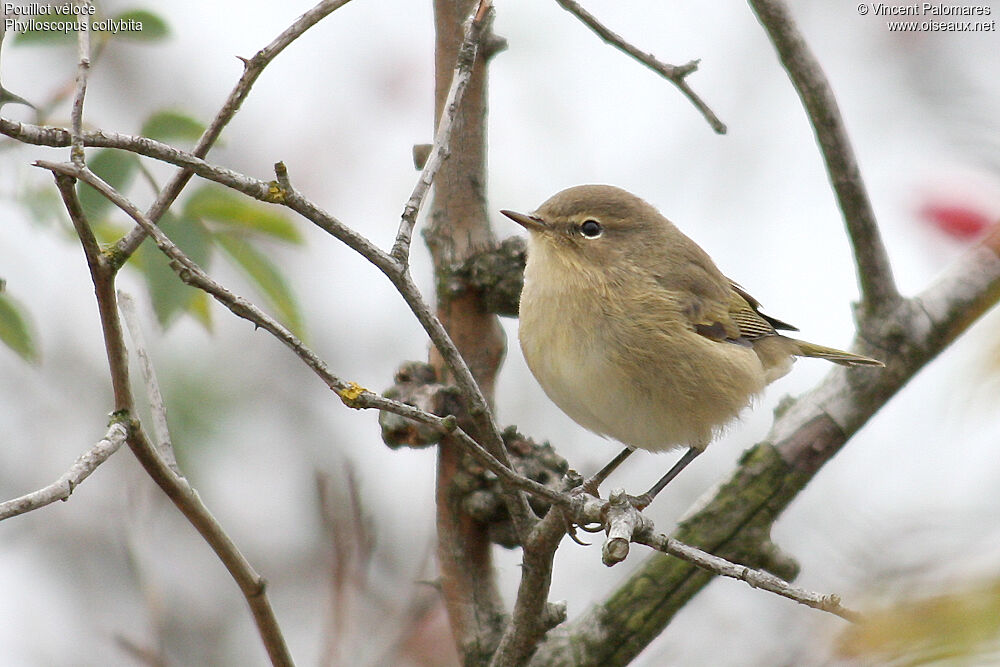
[[69, 480], [187, 500], [439, 152], [533, 615], [158, 408], [102, 274], [282, 193], [253, 67], [623, 524], [879, 294], [756, 578], [676, 75], [82, 73]]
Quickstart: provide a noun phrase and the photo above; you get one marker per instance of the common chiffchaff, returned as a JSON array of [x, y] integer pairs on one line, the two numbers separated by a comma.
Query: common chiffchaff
[[632, 330]]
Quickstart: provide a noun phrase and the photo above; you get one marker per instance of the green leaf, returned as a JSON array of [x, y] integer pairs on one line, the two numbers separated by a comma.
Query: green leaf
[[266, 276], [167, 125], [170, 296], [227, 207], [117, 168], [44, 30], [137, 25], [14, 332]]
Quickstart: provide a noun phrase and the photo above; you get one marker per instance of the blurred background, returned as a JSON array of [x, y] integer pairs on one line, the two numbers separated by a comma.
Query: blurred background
[[342, 527]]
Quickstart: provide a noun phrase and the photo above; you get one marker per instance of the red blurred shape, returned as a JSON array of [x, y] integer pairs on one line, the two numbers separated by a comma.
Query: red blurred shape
[[955, 220]]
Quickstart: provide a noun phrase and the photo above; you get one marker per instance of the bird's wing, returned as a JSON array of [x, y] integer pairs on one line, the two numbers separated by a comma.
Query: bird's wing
[[715, 306], [737, 319], [755, 305]]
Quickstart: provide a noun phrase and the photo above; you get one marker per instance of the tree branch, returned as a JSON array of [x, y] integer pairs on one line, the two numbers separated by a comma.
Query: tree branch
[[459, 225], [676, 75], [879, 294], [625, 524], [533, 614], [756, 578], [184, 497], [102, 274], [281, 192], [69, 480], [158, 408], [440, 150], [76, 112]]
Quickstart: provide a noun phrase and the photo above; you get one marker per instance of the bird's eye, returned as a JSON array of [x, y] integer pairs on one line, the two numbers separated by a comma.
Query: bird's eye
[[592, 229]]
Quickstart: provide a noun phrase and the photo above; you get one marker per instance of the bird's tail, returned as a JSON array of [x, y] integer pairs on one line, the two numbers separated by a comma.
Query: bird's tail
[[834, 355]]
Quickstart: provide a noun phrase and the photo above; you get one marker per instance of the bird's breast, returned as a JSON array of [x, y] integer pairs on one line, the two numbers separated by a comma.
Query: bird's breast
[[645, 381]]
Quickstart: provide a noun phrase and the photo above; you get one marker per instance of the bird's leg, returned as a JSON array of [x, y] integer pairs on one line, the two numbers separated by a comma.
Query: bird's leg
[[643, 501], [591, 483], [590, 486]]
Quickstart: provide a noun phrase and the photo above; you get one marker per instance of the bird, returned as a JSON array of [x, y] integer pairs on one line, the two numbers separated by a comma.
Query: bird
[[632, 330]]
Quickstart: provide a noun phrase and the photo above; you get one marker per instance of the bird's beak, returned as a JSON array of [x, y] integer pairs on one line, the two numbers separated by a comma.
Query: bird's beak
[[530, 222]]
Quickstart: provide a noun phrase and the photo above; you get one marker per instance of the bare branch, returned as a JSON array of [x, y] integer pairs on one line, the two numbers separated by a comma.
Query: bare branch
[[103, 276], [82, 72], [187, 500], [291, 198], [69, 480], [439, 151], [879, 294], [676, 75], [401, 279], [533, 614], [161, 432], [282, 193], [756, 578], [253, 68], [458, 225], [625, 524]]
